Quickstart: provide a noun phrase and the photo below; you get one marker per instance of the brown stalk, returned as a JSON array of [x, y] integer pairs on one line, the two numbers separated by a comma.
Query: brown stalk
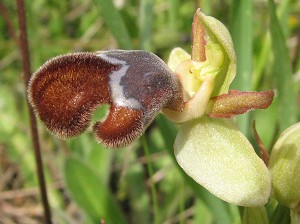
[[262, 149], [33, 125]]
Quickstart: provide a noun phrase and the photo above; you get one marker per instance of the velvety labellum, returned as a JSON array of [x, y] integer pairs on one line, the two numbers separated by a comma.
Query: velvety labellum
[[67, 89]]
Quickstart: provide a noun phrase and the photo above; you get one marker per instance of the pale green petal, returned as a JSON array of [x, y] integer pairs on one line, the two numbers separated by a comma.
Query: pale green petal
[[217, 33], [217, 156], [195, 107], [285, 167], [177, 56]]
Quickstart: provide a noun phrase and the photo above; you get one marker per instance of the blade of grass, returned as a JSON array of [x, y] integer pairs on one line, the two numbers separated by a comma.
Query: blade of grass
[[202, 213], [146, 16], [296, 59], [173, 14], [218, 208], [114, 22], [242, 38], [264, 53], [90, 193], [283, 13], [282, 71], [140, 202], [152, 184], [100, 160], [262, 60]]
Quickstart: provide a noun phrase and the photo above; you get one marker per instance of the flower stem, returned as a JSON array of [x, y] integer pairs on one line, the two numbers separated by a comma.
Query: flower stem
[[152, 184], [281, 215], [33, 125]]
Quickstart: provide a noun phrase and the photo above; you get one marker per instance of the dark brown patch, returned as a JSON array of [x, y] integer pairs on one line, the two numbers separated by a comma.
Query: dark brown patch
[[65, 91], [120, 128]]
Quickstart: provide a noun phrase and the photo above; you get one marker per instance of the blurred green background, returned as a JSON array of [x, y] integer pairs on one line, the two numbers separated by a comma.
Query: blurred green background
[[141, 183]]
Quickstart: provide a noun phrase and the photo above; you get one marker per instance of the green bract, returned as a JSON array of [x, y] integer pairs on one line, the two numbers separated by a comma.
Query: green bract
[[212, 151], [285, 167]]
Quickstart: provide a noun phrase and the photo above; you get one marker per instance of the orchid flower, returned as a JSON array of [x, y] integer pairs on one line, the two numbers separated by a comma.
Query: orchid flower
[[209, 148], [192, 90]]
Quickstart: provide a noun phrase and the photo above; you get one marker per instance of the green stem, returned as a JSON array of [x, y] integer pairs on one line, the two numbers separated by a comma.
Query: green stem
[[152, 184], [281, 215]]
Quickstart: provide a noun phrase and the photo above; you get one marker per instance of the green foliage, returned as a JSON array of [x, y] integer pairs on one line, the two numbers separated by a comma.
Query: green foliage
[[282, 73], [242, 31], [114, 22], [91, 193], [116, 184]]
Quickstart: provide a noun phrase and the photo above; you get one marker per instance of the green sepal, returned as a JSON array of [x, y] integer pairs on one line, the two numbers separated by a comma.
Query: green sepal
[[217, 156]]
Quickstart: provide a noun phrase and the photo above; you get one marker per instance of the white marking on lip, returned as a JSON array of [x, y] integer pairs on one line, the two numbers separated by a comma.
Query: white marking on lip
[[116, 88]]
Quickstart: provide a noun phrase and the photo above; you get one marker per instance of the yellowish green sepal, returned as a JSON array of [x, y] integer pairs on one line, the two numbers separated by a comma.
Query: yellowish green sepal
[[217, 33], [217, 156]]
